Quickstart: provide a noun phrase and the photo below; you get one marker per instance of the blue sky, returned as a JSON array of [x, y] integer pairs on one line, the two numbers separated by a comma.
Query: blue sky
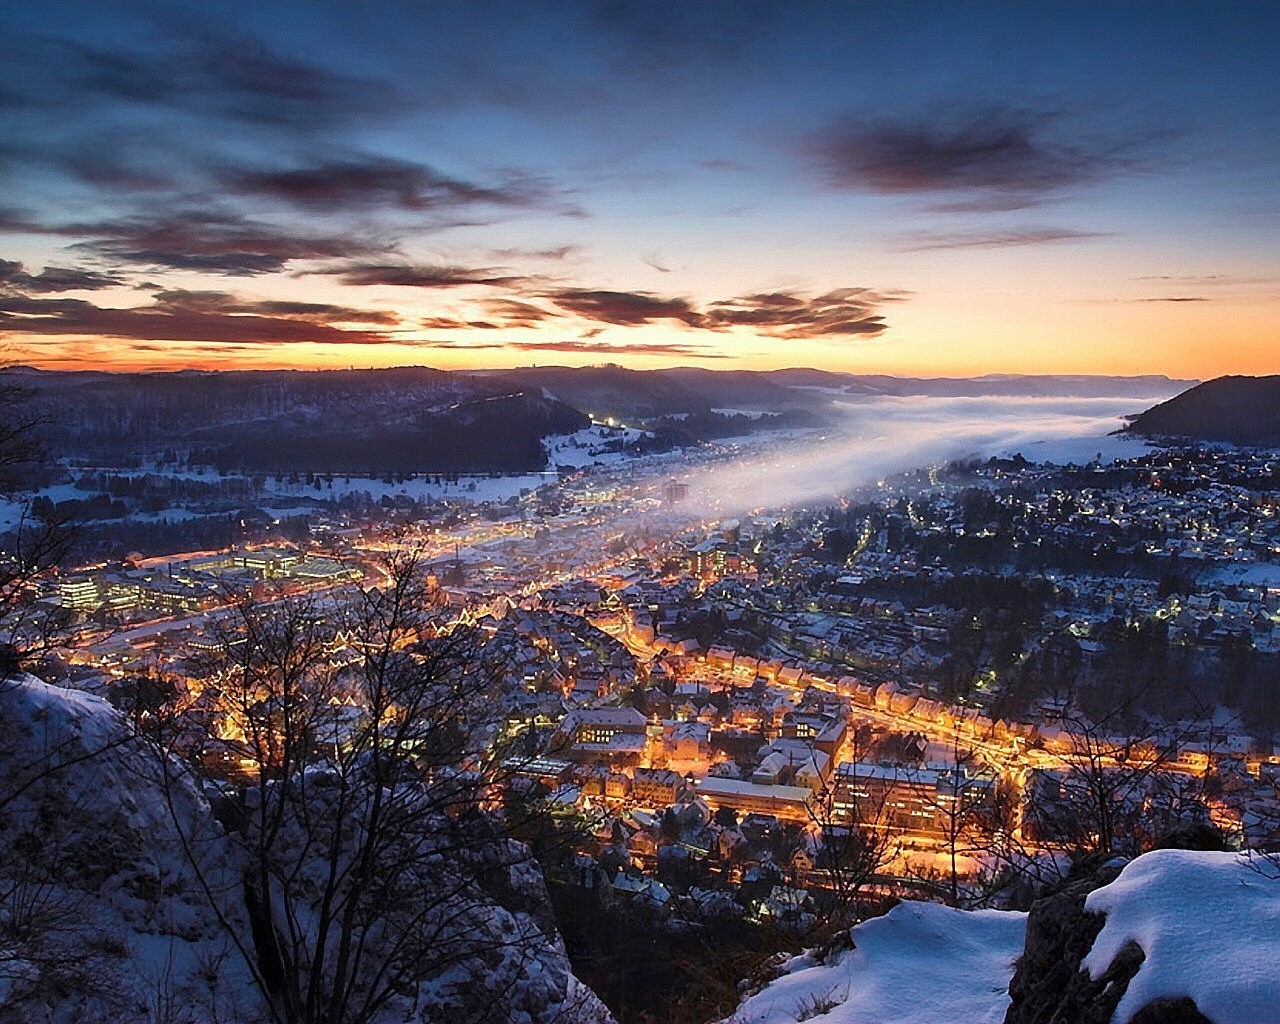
[[916, 188]]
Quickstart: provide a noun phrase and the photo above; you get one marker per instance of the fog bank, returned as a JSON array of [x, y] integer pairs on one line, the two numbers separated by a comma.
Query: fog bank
[[883, 436]]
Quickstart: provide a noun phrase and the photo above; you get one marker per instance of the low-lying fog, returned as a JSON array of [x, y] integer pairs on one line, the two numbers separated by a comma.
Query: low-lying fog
[[882, 436]]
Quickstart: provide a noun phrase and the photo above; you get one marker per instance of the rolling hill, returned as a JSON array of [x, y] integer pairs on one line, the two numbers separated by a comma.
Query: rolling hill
[[1241, 410]]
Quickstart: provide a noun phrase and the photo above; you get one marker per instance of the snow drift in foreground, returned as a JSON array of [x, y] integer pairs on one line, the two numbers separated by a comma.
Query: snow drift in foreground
[[922, 963], [1208, 924]]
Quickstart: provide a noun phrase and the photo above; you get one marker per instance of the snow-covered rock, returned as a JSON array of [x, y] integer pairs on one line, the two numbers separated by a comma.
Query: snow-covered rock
[[1207, 924], [1176, 936], [122, 898], [921, 963], [102, 908]]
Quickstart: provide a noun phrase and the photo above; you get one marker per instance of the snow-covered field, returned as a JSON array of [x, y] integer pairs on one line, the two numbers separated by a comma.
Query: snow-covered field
[[589, 447]]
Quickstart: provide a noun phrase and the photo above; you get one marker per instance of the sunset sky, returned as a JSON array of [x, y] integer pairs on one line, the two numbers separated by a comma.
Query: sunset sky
[[925, 189]]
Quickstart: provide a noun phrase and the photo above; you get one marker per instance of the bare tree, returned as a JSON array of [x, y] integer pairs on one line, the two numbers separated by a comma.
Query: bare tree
[[853, 821], [1102, 785], [962, 806], [360, 730], [27, 627], [1103, 771]]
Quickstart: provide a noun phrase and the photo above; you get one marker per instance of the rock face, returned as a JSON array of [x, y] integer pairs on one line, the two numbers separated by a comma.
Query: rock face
[[1051, 984], [121, 897], [102, 912]]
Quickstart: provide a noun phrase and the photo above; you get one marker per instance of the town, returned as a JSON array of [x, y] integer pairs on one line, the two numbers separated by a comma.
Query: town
[[955, 660]]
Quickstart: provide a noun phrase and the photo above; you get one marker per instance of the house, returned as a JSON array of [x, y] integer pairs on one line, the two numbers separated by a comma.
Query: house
[[686, 740], [656, 787], [642, 889], [791, 802], [587, 732]]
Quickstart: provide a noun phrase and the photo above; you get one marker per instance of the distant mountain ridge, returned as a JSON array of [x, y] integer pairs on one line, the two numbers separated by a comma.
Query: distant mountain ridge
[[688, 388], [419, 419], [1240, 410]]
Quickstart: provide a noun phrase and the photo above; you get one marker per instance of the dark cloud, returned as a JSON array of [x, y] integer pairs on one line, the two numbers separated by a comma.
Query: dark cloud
[[560, 252], [603, 350], [1000, 158], [190, 68], [173, 112], [451, 343], [184, 300], [1176, 298], [17, 221], [181, 316], [625, 308], [54, 279], [109, 159], [513, 313], [445, 323], [247, 80], [927, 242], [843, 312], [376, 182], [213, 241], [499, 313], [421, 275]]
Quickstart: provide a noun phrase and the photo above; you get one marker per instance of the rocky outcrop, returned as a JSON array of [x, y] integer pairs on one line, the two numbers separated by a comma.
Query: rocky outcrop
[[1051, 984], [122, 897], [113, 873]]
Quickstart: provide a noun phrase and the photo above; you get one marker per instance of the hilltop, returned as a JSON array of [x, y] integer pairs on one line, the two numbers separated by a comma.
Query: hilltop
[[1241, 410]]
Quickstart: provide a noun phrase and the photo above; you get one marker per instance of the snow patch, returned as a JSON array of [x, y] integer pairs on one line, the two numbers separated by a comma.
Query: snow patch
[[921, 963], [1208, 923]]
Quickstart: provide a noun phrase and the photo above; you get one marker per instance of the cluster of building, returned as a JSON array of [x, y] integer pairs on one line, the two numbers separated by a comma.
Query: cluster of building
[[171, 587], [705, 687]]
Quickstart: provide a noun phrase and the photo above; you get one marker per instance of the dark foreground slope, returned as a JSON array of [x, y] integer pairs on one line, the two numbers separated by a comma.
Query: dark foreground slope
[[1241, 410], [123, 898]]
